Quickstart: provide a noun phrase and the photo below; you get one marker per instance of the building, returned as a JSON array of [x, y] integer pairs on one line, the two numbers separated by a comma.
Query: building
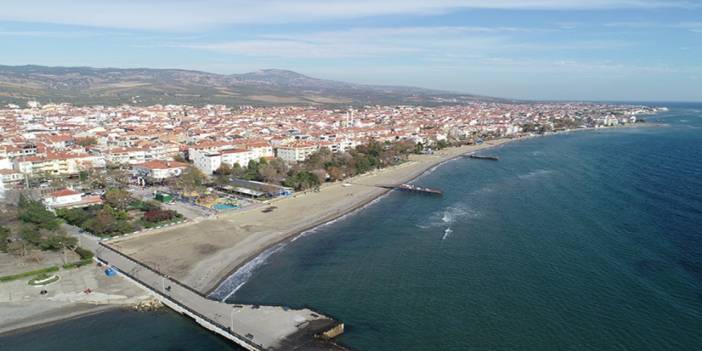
[[58, 163], [67, 198], [8, 176], [237, 156], [125, 155], [206, 161], [159, 170], [296, 152], [209, 161]]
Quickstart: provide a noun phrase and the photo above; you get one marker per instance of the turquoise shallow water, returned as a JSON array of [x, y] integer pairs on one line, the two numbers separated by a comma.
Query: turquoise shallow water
[[583, 241]]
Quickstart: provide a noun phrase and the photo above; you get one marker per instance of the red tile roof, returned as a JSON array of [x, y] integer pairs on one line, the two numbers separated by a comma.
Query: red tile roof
[[64, 192]]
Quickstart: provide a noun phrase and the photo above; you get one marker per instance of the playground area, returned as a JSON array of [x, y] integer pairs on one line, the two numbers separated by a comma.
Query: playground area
[[221, 202], [236, 195]]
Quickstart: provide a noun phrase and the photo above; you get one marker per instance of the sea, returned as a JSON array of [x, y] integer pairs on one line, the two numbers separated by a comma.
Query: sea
[[588, 240]]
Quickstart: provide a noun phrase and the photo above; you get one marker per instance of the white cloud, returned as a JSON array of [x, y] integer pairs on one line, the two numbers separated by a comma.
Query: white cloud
[[695, 27], [184, 15], [420, 43]]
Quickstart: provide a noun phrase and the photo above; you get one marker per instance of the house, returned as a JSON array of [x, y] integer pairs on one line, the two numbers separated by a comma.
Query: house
[[157, 170], [67, 198]]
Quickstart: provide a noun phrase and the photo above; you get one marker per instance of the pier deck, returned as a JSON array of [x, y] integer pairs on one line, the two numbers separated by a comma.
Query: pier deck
[[413, 188], [478, 157], [252, 327]]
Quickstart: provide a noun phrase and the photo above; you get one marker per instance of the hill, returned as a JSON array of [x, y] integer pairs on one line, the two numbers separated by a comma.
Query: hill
[[112, 86]]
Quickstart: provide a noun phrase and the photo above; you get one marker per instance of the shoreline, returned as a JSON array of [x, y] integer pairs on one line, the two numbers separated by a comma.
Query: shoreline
[[275, 247], [79, 310], [206, 253], [367, 202]]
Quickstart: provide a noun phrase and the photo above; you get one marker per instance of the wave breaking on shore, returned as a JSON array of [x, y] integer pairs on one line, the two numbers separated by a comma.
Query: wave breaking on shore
[[228, 288]]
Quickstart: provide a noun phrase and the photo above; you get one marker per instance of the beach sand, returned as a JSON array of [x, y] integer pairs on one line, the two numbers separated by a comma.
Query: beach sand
[[204, 253]]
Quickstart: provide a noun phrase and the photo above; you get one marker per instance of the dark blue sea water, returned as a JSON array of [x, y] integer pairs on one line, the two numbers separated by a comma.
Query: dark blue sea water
[[581, 241]]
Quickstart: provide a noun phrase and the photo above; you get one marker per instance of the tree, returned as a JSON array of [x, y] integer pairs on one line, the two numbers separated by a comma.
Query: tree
[[118, 198], [116, 177], [269, 173], [442, 144], [159, 215], [104, 222], [191, 180], [252, 171], [224, 170], [74, 216], [238, 171], [34, 212], [318, 159], [336, 173], [419, 148], [59, 241], [303, 180], [4, 238], [17, 248], [30, 234]]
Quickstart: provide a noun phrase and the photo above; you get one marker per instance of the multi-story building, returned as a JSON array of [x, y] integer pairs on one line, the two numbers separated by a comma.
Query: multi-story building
[[296, 152], [208, 161], [158, 170], [58, 164]]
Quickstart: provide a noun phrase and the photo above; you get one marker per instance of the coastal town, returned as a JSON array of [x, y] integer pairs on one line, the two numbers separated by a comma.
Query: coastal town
[[192, 194], [40, 143]]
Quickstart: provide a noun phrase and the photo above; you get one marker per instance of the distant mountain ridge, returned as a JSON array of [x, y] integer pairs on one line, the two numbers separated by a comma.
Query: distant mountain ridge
[[145, 86]]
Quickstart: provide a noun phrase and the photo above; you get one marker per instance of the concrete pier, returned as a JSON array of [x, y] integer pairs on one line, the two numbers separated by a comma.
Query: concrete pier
[[252, 327], [413, 189]]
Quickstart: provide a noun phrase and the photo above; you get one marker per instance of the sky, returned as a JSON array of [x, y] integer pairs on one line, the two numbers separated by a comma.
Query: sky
[[606, 50]]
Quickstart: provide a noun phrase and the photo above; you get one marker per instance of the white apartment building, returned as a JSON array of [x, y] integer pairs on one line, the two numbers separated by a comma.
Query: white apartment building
[[259, 151], [9, 176], [242, 157], [58, 164], [119, 155], [208, 162], [296, 152], [164, 152]]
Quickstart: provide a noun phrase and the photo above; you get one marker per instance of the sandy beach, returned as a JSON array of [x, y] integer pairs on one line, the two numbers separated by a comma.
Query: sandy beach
[[204, 253]]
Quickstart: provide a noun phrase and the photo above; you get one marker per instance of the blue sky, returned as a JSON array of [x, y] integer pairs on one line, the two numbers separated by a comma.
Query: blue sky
[[533, 49]]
